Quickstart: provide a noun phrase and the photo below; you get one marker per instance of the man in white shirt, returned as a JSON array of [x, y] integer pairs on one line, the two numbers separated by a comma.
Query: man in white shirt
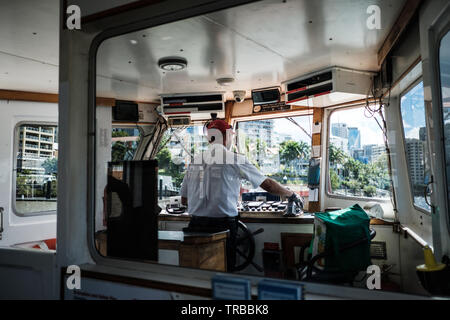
[[212, 183]]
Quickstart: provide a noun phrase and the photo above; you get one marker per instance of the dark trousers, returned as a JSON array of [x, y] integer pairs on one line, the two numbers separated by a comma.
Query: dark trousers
[[208, 224]]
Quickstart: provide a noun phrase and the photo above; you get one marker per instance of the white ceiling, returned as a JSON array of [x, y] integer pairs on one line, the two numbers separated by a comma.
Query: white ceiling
[[29, 51], [260, 44]]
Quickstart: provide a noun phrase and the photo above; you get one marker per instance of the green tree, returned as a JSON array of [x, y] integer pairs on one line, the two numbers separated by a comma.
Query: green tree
[[336, 155], [51, 166], [119, 133], [164, 158], [335, 180], [21, 187], [353, 185], [118, 151], [370, 191], [353, 168], [248, 152], [291, 150]]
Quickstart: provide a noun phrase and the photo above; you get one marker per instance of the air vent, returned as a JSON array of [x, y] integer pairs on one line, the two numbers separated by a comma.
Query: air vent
[[192, 104], [179, 121], [328, 87], [378, 250]]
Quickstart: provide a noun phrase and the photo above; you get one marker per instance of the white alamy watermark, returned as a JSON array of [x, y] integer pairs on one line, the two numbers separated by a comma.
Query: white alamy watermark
[[73, 21], [74, 280], [373, 22], [374, 280]]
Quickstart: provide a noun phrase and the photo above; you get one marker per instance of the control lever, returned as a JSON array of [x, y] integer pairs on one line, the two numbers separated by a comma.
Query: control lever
[[295, 206]]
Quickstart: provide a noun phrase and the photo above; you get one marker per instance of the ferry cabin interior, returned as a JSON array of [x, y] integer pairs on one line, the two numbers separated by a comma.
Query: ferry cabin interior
[[344, 102]]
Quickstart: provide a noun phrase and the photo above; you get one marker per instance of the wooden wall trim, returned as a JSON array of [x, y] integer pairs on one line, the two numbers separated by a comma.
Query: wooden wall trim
[[52, 97], [229, 105], [316, 141], [105, 102], [28, 96], [406, 15]]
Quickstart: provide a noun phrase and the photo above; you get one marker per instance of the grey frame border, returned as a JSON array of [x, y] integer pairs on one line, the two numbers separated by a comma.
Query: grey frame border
[[91, 121], [327, 178], [14, 171], [436, 32]]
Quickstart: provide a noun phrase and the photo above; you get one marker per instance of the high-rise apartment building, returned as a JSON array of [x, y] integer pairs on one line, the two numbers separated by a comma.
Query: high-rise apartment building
[[415, 159]]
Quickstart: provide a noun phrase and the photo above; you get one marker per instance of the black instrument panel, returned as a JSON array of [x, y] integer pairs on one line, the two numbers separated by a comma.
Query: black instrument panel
[[273, 207]]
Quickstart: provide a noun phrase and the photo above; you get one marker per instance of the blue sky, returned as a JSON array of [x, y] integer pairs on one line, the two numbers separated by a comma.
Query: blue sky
[[357, 117], [413, 111]]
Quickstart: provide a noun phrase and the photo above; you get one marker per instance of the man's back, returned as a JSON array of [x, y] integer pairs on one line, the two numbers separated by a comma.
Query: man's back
[[212, 182]]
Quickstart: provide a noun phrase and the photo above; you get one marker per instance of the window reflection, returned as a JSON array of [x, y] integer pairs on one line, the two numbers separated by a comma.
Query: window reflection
[[416, 146], [279, 148], [37, 169]]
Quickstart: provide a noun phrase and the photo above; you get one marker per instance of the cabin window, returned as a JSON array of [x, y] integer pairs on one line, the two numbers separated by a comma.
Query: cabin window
[[415, 139], [444, 64], [175, 152], [279, 148], [36, 174], [124, 143], [357, 158]]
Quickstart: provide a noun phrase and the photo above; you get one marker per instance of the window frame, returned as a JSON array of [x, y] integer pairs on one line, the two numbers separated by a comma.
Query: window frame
[[14, 166], [329, 193], [402, 94], [95, 43]]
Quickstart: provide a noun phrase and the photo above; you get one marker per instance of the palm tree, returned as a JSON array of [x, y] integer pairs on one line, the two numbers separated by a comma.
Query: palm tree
[[336, 155], [291, 150]]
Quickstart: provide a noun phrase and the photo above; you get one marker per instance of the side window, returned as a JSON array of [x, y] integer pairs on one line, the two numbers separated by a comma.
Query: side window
[[124, 143], [36, 177], [357, 158], [415, 139]]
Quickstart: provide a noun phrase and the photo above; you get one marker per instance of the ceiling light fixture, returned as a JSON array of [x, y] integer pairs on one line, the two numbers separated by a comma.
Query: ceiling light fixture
[[172, 63]]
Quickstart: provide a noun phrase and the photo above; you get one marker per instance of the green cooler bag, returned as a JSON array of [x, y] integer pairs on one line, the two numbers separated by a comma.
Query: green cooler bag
[[337, 228]]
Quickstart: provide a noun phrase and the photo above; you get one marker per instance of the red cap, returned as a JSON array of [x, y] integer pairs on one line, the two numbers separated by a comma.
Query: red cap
[[220, 125]]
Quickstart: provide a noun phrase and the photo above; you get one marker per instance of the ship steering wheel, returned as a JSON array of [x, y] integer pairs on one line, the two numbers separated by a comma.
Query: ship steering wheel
[[245, 247]]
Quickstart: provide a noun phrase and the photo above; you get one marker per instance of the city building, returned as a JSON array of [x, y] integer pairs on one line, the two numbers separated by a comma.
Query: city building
[[339, 130], [378, 151], [372, 151], [36, 145], [281, 137], [423, 134], [354, 138], [415, 160], [358, 154], [339, 142], [260, 129]]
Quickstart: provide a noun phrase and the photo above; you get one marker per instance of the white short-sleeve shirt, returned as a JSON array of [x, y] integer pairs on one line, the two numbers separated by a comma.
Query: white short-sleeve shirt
[[213, 180]]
